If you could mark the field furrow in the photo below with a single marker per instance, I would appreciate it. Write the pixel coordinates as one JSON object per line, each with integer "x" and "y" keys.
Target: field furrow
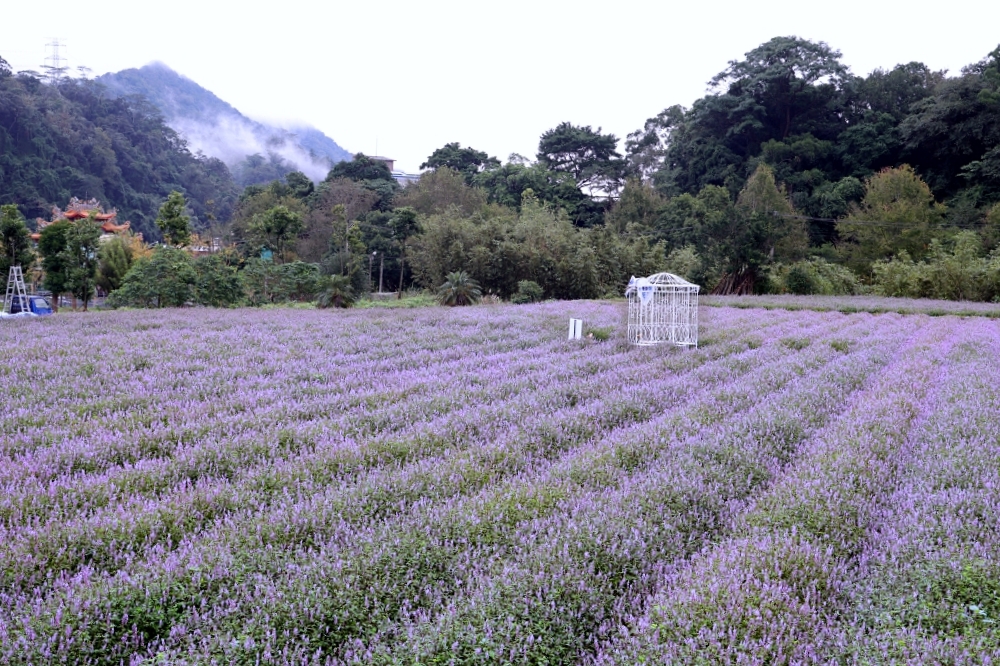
{"x": 467, "y": 486}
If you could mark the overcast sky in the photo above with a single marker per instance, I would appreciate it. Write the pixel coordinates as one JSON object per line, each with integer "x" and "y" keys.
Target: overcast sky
{"x": 409, "y": 77}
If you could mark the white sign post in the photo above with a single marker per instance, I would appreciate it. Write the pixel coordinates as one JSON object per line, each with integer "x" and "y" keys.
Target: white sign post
{"x": 575, "y": 329}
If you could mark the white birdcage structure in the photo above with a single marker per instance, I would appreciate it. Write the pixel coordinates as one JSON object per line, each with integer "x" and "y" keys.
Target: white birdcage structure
{"x": 662, "y": 309}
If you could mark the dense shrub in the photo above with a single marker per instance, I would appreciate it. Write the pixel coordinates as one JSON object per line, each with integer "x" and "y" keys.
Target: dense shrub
{"x": 814, "y": 276}
{"x": 266, "y": 282}
{"x": 165, "y": 279}
{"x": 218, "y": 284}
{"x": 955, "y": 273}
{"x": 528, "y": 291}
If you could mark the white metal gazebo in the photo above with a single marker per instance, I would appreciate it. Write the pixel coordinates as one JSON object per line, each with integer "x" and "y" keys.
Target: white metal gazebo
{"x": 662, "y": 308}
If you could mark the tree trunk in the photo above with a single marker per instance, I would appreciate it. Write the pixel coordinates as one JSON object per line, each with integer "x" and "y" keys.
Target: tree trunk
{"x": 402, "y": 271}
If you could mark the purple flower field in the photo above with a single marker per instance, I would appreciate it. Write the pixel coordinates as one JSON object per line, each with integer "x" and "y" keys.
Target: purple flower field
{"x": 466, "y": 486}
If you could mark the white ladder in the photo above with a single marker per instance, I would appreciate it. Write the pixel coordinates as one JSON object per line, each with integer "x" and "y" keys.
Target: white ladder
{"x": 15, "y": 290}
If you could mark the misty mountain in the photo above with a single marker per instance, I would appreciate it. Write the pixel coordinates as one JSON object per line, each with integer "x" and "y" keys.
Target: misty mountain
{"x": 214, "y": 127}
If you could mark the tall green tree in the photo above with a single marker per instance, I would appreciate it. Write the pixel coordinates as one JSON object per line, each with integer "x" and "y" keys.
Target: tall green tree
{"x": 15, "y": 241}
{"x": 466, "y": 161}
{"x": 788, "y": 91}
{"x": 784, "y": 234}
{"x": 114, "y": 261}
{"x": 783, "y": 87}
{"x": 898, "y": 213}
{"x": 953, "y": 138}
{"x": 300, "y": 184}
{"x": 373, "y": 175}
{"x": 79, "y": 257}
{"x": 277, "y": 229}
{"x": 591, "y": 158}
{"x": 51, "y": 245}
{"x": 437, "y": 190}
{"x": 172, "y": 222}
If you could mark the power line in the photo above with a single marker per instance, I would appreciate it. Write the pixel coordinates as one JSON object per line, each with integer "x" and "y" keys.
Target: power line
{"x": 876, "y": 223}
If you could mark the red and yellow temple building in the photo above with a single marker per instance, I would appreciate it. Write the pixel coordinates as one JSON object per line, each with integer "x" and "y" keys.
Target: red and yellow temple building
{"x": 80, "y": 210}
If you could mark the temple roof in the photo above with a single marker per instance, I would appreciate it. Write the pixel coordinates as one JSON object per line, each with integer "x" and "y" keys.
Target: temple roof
{"x": 79, "y": 209}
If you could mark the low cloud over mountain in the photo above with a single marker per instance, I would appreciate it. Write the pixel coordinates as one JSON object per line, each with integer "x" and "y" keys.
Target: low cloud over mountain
{"x": 215, "y": 128}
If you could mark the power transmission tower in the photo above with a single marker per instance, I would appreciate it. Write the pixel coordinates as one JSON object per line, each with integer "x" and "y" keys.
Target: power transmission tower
{"x": 54, "y": 67}
{"x": 15, "y": 290}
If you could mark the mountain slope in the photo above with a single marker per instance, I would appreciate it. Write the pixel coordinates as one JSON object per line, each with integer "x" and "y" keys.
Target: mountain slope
{"x": 70, "y": 140}
{"x": 214, "y": 127}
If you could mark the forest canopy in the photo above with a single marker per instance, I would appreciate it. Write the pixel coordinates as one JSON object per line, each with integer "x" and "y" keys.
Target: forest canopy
{"x": 791, "y": 174}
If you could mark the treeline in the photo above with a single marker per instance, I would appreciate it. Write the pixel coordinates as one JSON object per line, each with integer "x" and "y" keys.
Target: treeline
{"x": 792, "y": 175}
{"x": 69, "y": 138}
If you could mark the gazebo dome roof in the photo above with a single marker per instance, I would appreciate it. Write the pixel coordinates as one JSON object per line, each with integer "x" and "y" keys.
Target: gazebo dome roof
{"x": 669, "y": 279}
{"x": 665, "y": 281}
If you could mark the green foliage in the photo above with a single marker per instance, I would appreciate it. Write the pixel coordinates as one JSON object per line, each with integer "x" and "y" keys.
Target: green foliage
{"x": 814, "y": 276}
{"x": 298, "y": 281}
{"x": 327, "y": 208}
{"x": 276, "y": 229}
{"x": 897, "y": 213}
{"x": 600, "y": 333}
{"x": 636, "y": 210}
{"x": 172, "y": 222}
{"x": 300, "y": 184}
{"x": 70, "y": 138}
{"x": 51, "y": 243}
{"x": 335, "y": 292}
{"x": 685, "y": 263}
{"x": 15, "y": 242}
{"x": 253, "y": 204}
{"x": 783, "y": 236}
{"x": 528, "y": 291}
{"x": 590, "y": 157}
{"x": 217, "y": 284}
{"x": 952, "y": 137}
{"x": 80, "y": 260}
{"x": 459, "y": 289}
{"x": 499, "y": 249}
{"x": 373, "y": 175}
{"x": 265, "y": 282}
{"x": 507, "y": 184}
{"x": 991, "y": 228}
{"x": 257, "y": 169}
{"x": 438, "y": 190}
{"x": 951, "y": 271}
{"x": 114, "y": 262}
{"x": 165, "y": 279}
{"x": 466, "y": 161}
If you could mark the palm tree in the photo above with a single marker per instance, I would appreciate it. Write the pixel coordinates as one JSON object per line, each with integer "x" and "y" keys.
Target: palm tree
{"x": 337, "y": 293}
{"x": 459, "y": 289}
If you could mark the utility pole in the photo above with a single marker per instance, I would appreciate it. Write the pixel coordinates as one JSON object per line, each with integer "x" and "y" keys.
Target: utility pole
{"x": 381, "y": 265}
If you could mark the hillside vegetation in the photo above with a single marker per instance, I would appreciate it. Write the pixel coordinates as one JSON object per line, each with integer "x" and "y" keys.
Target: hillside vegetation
{"x": 793, "y": 175}
{"x": 66, "y": 139}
